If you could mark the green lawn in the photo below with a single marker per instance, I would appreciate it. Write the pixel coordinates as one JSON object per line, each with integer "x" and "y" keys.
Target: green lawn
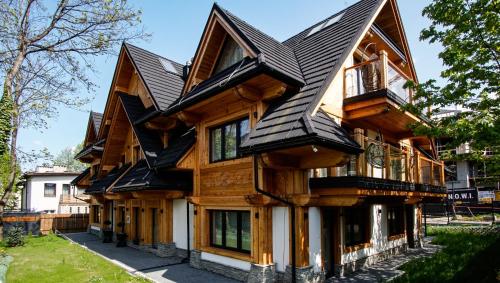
{"x": 467, "y": 257}
{"x": 53, "y": 259}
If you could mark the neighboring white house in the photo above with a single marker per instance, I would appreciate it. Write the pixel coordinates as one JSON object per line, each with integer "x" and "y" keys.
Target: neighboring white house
{"x": 49, "y": 189}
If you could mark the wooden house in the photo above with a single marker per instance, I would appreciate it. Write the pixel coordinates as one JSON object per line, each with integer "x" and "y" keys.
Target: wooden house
{"x": 267, "y": 160}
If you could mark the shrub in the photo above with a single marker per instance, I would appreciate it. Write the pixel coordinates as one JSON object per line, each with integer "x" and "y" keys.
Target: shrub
{"x": 15, "y": 236}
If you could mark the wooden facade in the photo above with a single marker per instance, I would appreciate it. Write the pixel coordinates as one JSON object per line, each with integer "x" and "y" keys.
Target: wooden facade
{"x": 319, "y": 175}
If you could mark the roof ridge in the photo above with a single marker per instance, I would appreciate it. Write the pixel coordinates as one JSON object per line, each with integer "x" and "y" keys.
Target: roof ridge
{"x": 252, "y": 26}
{"x": 155, "y": 54}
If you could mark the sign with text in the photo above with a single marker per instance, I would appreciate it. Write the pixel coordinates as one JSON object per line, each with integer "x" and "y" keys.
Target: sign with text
{"x": 467, "y": 195}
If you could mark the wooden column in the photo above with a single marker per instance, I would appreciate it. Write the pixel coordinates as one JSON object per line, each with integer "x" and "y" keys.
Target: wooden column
{"x": 262, "y": 246}
{"x": 301, "y": 236}
{"x": 384, "y": 83}
{"x": 388, "y": 161}
{"x": 361, "y": 162}
{"x": 417, "y": 167}
{"x": 442, "y": 180}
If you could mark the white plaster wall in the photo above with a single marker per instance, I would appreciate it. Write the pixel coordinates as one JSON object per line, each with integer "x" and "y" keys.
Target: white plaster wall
{"x": 379, "y": 239}
{"x": 281, "y": 234}
{"x": 73, "y": 209}
{"x": 228, "y": 261}
{"x": 179, "y": 224}
{"x": 36, "y": 200}
{"x": 315, "y": 238}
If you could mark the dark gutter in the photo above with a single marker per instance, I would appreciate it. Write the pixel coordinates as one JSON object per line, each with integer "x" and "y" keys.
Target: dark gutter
{"x": 292, "y": 211}
{"x": 147, "y": 117}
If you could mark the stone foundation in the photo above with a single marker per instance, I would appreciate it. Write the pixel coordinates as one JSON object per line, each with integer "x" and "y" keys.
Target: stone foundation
{"x": 262, "y": 273}
{"x": 228, "y": 271}
{"x": 342, "y": 270}
{"x": 303, "y": 274}
{"x": 162, "y": 250}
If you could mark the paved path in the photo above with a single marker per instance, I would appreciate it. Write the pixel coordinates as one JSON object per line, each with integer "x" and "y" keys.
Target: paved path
{"x": 444, "y": 221}
{"x": 169, "y": 269}
{"x": 387, "y": 269}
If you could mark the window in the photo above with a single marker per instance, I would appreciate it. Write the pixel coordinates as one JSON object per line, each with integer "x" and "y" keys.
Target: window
{"x": 230, "y": 54}
{"x": 65, "y": 190}
{"x": 356, "y": 225}
{"x": 395, "y": 220}
{"x": 96, "y": 212}
{"x": 230, "y": 230}
{"x": 49, "y": 190}
{"x": 225, "y": 140}
{"x": 325, "y": 24}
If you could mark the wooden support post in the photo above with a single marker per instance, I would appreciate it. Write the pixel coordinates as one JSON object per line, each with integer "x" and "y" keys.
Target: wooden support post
{"x": 417, "y": 167}
{"x": 431, "y": 181}
{"x": 302, "y": 236}
{"x": 388, "y": 161}
{"x": 361, "y": 162}
{"x": 384, "y": 83}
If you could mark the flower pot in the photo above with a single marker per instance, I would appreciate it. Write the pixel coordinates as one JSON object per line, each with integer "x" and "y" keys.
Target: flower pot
{"x": 121, "y": 240}
{"x": 107, "y": 236}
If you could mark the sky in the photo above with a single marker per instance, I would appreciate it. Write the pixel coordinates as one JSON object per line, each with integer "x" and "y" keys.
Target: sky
{"x": 176, "y": 27}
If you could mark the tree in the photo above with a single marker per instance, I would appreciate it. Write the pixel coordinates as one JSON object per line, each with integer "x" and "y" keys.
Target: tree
{"x": 67, "y": 159}
{"x": 469, "y": 31}
{"x": 47, "y": 52}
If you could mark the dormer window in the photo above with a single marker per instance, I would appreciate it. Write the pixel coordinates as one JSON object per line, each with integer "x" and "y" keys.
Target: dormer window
{"x": 230, "y": 54}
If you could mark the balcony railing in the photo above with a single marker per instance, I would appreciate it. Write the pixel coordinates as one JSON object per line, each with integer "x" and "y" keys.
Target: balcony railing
{"x": 385, "y": 161}
{"x": 73, "y": 199}
{"x": 374, "y": 75}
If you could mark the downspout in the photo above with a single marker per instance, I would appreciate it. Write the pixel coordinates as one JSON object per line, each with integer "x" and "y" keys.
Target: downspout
{"x": 289, "y": 204}
{"x": 188, "y": 232}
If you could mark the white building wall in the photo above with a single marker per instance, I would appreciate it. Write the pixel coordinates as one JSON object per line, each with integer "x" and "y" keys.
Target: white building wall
{"x": 281, "y": 234}
{"x": 36, "y": 200}
{"x": 180, "y": 224}
{"x": 378, "y": 239}
{"x": 315, "y": 238}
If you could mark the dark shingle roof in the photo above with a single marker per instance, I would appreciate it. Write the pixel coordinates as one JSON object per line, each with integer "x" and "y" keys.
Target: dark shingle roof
{"x": 78, "y": 178}
{"x": 98, "y": 146}
{"x": 101, "y": 185}
{"x": 176, "y": 148}
{"x": 141, "y": 177}
{"x": 320, "y": 56}
{"x": 149, "y": 140}
{"x": 277, "y": 55}
{"x": 164, "y": 86}
{"x": 96, "y": 119}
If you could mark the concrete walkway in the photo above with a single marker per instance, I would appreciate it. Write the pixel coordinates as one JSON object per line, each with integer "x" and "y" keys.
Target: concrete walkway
{"x": 388, "y": 269}
{"x": 170, "y": 269}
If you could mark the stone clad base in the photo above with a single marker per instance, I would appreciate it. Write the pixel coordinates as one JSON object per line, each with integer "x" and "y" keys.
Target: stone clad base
{"x": 162, "y": 250}
{"x": 303, "y": 274}
{"x": 342, "y": 270}
{"x": 257, "y": 273}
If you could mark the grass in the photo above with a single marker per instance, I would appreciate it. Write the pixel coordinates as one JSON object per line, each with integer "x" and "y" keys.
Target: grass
{"x": 467, "y": 256}
{"x": 53, "y": 259}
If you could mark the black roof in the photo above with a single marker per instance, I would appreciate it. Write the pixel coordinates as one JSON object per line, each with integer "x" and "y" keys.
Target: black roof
{"x": 320, "y": 56}
{"x": 149, "y": 140}
{"x": 97, "y": 146}
{"x": 78, "y": 178}
{"x": 101, "y": 185}
{"x": 176, "y": 148}
{"x": 165, "y": 86}
{"x": 96, "y": 119}
{"x": 141, "y": 177}
{"x": 320, "y": 129}
{"x": 274, "y": 53}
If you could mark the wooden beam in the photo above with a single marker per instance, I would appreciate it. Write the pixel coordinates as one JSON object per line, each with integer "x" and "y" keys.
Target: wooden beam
{"x": 247, "y": 93}
{"x": 163, "y": 126}
{"x": 274, "y": 92}
{"x": 188, "y": 117}
{"x": 280, "y": 161}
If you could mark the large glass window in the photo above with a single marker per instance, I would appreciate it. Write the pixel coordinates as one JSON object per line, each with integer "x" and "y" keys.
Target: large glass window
{"x": 230, "y": 230}
{"x": 49, "y": 190}
{"x": 395, "y": 220}
{"x": 65, "y": 190}
{"x": 225, "y": 140}
{"x": 356, "y": 225}
{"x": 230, "y": 54}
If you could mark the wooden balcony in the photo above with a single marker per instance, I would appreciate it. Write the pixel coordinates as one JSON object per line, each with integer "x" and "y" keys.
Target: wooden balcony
{"x": 383, "y": 170}
{"x": 69, "y": 199}
{"x": 373, "y": 95}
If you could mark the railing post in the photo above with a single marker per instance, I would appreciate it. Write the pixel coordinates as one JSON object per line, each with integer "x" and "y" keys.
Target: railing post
{"x": 384, "y": 66}
{"x": 360, "y": 139}
{"x": 442, "y": 174}
{"x": 431, "y": 181}
{"x": 388, "y": 161}
{"x": 417, "y": 167}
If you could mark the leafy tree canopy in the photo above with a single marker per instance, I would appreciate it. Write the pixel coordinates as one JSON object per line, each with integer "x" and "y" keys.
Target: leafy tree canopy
{"x": 67, "y": 159}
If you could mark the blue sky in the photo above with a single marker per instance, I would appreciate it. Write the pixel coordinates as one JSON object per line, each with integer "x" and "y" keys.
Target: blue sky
{"x": 176, "y": 27}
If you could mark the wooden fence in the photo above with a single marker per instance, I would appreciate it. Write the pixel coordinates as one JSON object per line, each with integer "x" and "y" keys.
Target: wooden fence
{"x": 63, "y": 223}
{"x": 44, "y": 223}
